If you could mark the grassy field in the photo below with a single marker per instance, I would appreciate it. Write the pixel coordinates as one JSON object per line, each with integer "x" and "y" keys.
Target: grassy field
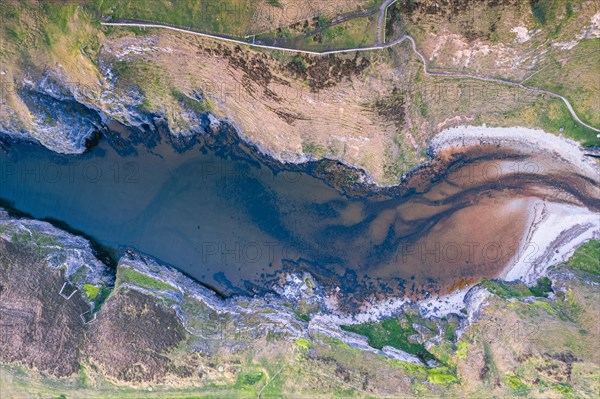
{"x": 231, "y": 17}
{"x": 391, "y": 332}
{"x": 133, "y": 277}
{"x": 508, "y": 290}
{"x": 321, "y": 35}
{"x": 239, "y": 18}
{"x": 587, "y": 258}
{"x": 551, "y": 115}
{"x": 574, "y": 75}
{"x": 227, "y": 17}
{"x": 17, "y": 382}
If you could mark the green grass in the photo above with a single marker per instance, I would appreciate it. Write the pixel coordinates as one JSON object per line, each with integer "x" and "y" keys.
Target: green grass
{"x": 317, "y": 150}
{"x": 539, "y": 8}
{"x": 586, "y": 258}
{"x": 60, "y": 14}
{"x": 391, "y": 332}
{"x": 198, "y": 106}
{"x": 518, "y": 387}
{"x": 229, "y": 17}
{"x": 552, "y": 116}
{"x": 304, "y": 344}
{"x": 101, "y": 298}
{"x": 41, "y": 239}
{"x": 490, "y": 370}
{"x": 507, "y": 290}
{"x": 462, "y": 349}
{"x": 574, "y": 76}
{"x": 343, "y": 354}
{"x": 91, "y": 291}
{"x": 564, "y": 388}
{"x": 42, "y": 243}
{"x": 249, "y": 379}
{"x": 450, "y": 332}
{"x": 542, "y": 288}
{"x": 61, "y": 30}
{"x": 545, "y": 306}
{"x": 560, "y": 120}
{"x": 80, "y": 275}
{"x": 568, "y": 9}
{"x": 303, "y": 313}
{"x": 357, "y": 32}
{"x": 299, "y": 62}
{"x": 441, "y": 376}
{"x": 21, "y": 383}
{"x": 16, "y": 24}
{"x": 275, "y": 3}
{"x": 570, "y": 307}
{"x": 149, "y": 78}
{"x": 126, "y": 275}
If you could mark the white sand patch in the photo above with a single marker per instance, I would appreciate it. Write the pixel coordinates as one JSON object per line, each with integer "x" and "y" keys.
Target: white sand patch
{"x": 522, "y": 34}
{"x": 444, "y": 305}
{"x": 593, "y": 31}
{"x": 372, "y": 313}
{"x": 520, "y": 138}
{"x": 557, "y": 230}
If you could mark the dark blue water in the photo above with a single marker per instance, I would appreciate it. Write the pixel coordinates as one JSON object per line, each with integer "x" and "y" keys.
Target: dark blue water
{"x": 236, "y": 224}
{"x": 224, "y": 221}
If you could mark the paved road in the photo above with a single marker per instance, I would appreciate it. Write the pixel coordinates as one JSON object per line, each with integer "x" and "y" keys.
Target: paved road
{"x": 140, "y": 24}
{"x": 377, "y": 47}
{"x": 381, "y": 21}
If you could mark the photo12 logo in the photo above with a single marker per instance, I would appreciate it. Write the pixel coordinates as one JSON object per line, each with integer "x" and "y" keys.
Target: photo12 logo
{"x": 244, "y": 253}
{"x": 467, "y": 251}
{"x": 496, "y": 332}
{"x": 91, "y": 172}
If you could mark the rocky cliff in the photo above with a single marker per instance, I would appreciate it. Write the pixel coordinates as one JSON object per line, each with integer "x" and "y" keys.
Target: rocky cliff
{"x": 374, "y": 110}
{"x": 66, "y": 314}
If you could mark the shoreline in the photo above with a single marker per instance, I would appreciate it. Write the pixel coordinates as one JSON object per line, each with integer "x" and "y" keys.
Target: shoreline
{"x": 555, "y": 233}
{"x": 554, "y": 230}
{"x": 523, "y": 140}
{"x": 550, "y": 226}
{"x": 467, "y": 303}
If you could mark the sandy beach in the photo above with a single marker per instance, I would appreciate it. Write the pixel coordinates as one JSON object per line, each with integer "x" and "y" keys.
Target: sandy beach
{"x": 519, "y": 138}
{"x": 553, "y": 231}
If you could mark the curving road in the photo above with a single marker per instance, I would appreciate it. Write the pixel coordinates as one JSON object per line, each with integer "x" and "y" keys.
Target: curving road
{"x": 377, "y": 47}
{"x": 381, "y": 21}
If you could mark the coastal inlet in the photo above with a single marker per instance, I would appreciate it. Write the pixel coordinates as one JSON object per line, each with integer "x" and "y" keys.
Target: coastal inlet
{"x": 226, "y": 216}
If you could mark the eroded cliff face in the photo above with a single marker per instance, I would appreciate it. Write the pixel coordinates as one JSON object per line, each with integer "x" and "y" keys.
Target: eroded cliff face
{"x": 111, "y": 324}
{"x": 153, "y": 326}
{"x": 374, "y": 110}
